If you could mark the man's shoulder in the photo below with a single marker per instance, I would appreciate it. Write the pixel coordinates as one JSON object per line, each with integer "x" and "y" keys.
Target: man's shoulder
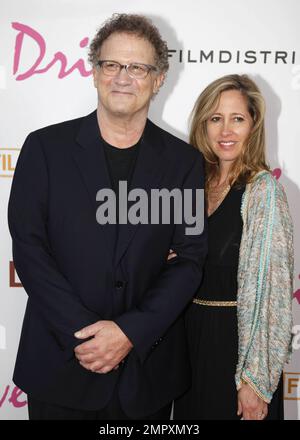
{"x": 59, "y": 130}
{"x": 174, "y": 145}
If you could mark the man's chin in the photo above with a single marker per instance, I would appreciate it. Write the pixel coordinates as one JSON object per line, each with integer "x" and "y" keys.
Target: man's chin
{"x": 121, "y": 110}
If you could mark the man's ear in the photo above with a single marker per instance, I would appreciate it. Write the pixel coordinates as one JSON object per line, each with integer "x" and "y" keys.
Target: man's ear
{"x": 95, "y": 76}
{"x": 158, "y": 82}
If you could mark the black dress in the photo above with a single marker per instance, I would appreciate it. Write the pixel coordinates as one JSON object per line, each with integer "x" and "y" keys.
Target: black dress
{"x": 212, "y": 330}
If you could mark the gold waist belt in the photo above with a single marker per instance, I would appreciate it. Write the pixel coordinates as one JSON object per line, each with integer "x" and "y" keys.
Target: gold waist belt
{"x": 203, "y": 302}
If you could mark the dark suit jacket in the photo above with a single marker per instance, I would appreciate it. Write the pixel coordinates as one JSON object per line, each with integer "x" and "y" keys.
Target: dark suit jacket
{"x": 75, "y": 272}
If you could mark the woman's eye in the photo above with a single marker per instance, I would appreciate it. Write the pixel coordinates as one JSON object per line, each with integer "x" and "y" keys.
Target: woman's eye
{"x": 215, "y": 118}
{"x": 238, "y": 119}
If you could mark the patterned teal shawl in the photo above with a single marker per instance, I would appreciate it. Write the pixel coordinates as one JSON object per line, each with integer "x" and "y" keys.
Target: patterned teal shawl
{"x": 265, "y": 286}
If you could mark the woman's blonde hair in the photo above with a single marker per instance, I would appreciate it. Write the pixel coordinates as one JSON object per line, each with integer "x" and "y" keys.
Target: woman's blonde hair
{"x": 252, "y": 160}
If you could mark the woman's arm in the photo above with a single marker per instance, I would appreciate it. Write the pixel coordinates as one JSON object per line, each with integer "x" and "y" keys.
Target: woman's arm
{"x": 265, "y": 286}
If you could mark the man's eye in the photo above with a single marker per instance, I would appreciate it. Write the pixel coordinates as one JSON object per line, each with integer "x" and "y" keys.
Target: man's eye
{"x": 137, "y": 68}
{"x": 111, "y": 65}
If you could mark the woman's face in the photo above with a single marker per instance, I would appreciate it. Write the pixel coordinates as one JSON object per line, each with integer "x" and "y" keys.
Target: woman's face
{"x": 229, "y": 126}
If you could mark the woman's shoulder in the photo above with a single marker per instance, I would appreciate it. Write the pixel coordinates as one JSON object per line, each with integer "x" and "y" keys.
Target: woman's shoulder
{"x": 264, "y": 192}
{"x": 265, "y": 195}
{"x": 265, "y": 183}
{"x": 262, "y": 179}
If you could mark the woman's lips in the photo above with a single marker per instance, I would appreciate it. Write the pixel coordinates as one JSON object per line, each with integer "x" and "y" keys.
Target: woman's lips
{"x": 227, "y": 144}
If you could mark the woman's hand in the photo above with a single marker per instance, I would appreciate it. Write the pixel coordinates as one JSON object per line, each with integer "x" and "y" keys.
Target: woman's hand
{"x": 172, "y": 254}
{"x": 250, "y": 406}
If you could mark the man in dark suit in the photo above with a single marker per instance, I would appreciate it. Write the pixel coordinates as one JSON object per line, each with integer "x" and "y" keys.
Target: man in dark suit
{"x": 103, "y": 333}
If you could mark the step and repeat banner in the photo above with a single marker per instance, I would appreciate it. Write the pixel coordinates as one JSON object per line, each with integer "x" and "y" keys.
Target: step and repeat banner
{"x": 45, "y": 78}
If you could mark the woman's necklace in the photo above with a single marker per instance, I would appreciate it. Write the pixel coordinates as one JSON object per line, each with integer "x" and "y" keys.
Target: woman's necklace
{"x": 216, "y": 195}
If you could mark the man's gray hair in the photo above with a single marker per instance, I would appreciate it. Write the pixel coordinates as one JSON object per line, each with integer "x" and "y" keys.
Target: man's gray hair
{"x": 138, "y": 25}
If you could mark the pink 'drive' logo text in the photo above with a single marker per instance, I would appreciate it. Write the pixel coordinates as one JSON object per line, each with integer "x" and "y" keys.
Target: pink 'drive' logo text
{"x": 24, "y": 30}
{"x": 12, "y": 396}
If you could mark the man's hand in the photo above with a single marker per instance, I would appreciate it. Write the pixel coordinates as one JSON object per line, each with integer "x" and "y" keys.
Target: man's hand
{"x": 250, "y": 406}
{"x": 108, "y": 347}
{"x": 172, "y": 254}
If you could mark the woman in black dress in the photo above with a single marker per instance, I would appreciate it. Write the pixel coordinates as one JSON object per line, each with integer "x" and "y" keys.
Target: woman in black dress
{"x": 229, "y": 379}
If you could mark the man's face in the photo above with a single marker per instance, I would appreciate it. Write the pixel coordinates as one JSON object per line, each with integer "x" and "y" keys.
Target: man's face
{"x": 122, "y": 95}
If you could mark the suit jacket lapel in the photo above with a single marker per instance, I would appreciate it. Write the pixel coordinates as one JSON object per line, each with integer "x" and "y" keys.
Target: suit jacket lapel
{"x": 147, "y": 173}
{"x": 91, "y": 161}
{"x": 90, "y": 158}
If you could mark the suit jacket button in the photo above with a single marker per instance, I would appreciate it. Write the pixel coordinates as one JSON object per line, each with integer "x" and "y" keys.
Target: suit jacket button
{"x": 119, "y": 284}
